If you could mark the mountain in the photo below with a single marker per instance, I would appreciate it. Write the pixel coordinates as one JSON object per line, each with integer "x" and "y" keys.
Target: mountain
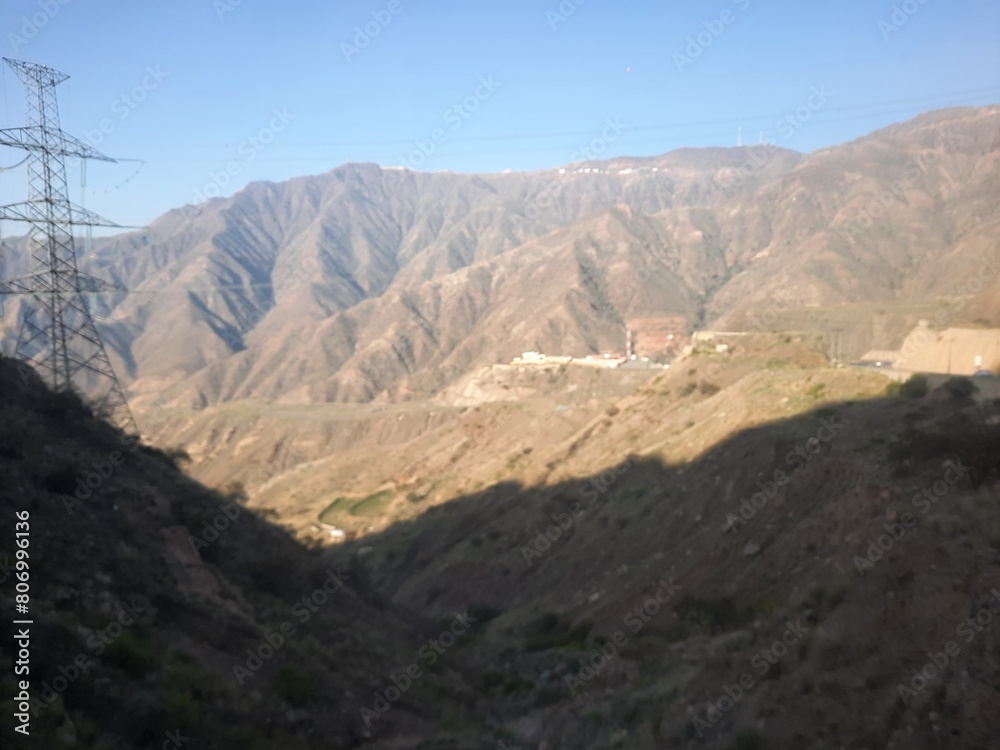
{"x": 369, "y": 283}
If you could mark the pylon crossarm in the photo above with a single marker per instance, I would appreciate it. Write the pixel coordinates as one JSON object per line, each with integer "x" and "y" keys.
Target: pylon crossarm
{"x": 33, "y": 138}
{"x": 29, "y": 71}
{"x": 76, "y": 215}
{"x": 40, "y": 283}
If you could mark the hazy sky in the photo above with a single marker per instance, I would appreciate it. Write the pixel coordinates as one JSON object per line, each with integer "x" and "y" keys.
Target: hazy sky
{"x": 212, "y": 94}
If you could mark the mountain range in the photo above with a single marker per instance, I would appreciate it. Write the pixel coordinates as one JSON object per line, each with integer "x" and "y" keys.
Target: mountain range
{"x": 370, "y": 283}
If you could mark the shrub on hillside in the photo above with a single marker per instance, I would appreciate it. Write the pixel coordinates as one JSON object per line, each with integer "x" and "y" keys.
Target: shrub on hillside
{"x": 959, "y": 388}
{"x": 708, "y": 388}
{"x": 748, "y": 739}
{"x": 297, "y": 686}
{"x": 712, "y": 615}
{"x": 549, "y": 631}
{"x": 64, "y": 405}
{"x": 915, "y": 387}
{"x": 61, "y": 479}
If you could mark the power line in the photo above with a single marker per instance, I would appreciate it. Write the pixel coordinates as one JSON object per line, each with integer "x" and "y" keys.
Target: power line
{"x": 967, "y": 95}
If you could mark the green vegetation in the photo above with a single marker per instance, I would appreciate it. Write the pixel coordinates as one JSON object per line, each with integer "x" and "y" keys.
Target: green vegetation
{"x": 548, "y": 631}
{"x": 373, "y": 505}
{"x": 133, "y": 653}
{"x": 483, "y": 613}
{"x": 295, "y": 685}
{"x": 960, "y": 388}
{"x": 713, "y": 615}
{"x": 331, "y": 512}
{"x": 178, "y": 708}
{"x": 748, "y": 739}
{"x": 917, "y": 386}
{"x": 816, "y": 391}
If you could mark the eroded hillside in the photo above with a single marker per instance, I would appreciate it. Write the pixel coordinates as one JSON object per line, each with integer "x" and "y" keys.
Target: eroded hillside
{"x": 369, "y": 284}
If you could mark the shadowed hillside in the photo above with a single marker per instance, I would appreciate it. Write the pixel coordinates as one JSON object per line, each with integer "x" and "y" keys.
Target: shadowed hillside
{"x": 163, "y": 609}
{"x": 798, "y": 570}
{"x": 779, "y": 590}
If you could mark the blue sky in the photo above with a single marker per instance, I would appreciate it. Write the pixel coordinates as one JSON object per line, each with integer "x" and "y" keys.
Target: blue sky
{"x": 483, "y": 86}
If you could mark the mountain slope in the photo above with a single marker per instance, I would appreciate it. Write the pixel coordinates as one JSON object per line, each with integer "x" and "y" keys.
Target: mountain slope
{"x": 163, "y": 609}
{"x": 672, "y": 582}
{"x": 368, "y": 283}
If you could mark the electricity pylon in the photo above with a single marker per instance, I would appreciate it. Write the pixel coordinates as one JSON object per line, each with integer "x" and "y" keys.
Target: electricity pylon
{"x": 58, "y": 335}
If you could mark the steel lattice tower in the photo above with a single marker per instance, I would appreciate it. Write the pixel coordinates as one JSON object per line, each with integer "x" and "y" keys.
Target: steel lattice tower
{"x": 58, "y": 335}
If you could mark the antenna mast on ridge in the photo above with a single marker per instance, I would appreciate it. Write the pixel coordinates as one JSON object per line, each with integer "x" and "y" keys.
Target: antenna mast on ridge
{"x": 58, "y": 335}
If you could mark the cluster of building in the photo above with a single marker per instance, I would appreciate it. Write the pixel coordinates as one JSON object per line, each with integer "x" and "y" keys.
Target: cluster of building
{"x": 649, "y": 342}
{"x": 597, "y": 170}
